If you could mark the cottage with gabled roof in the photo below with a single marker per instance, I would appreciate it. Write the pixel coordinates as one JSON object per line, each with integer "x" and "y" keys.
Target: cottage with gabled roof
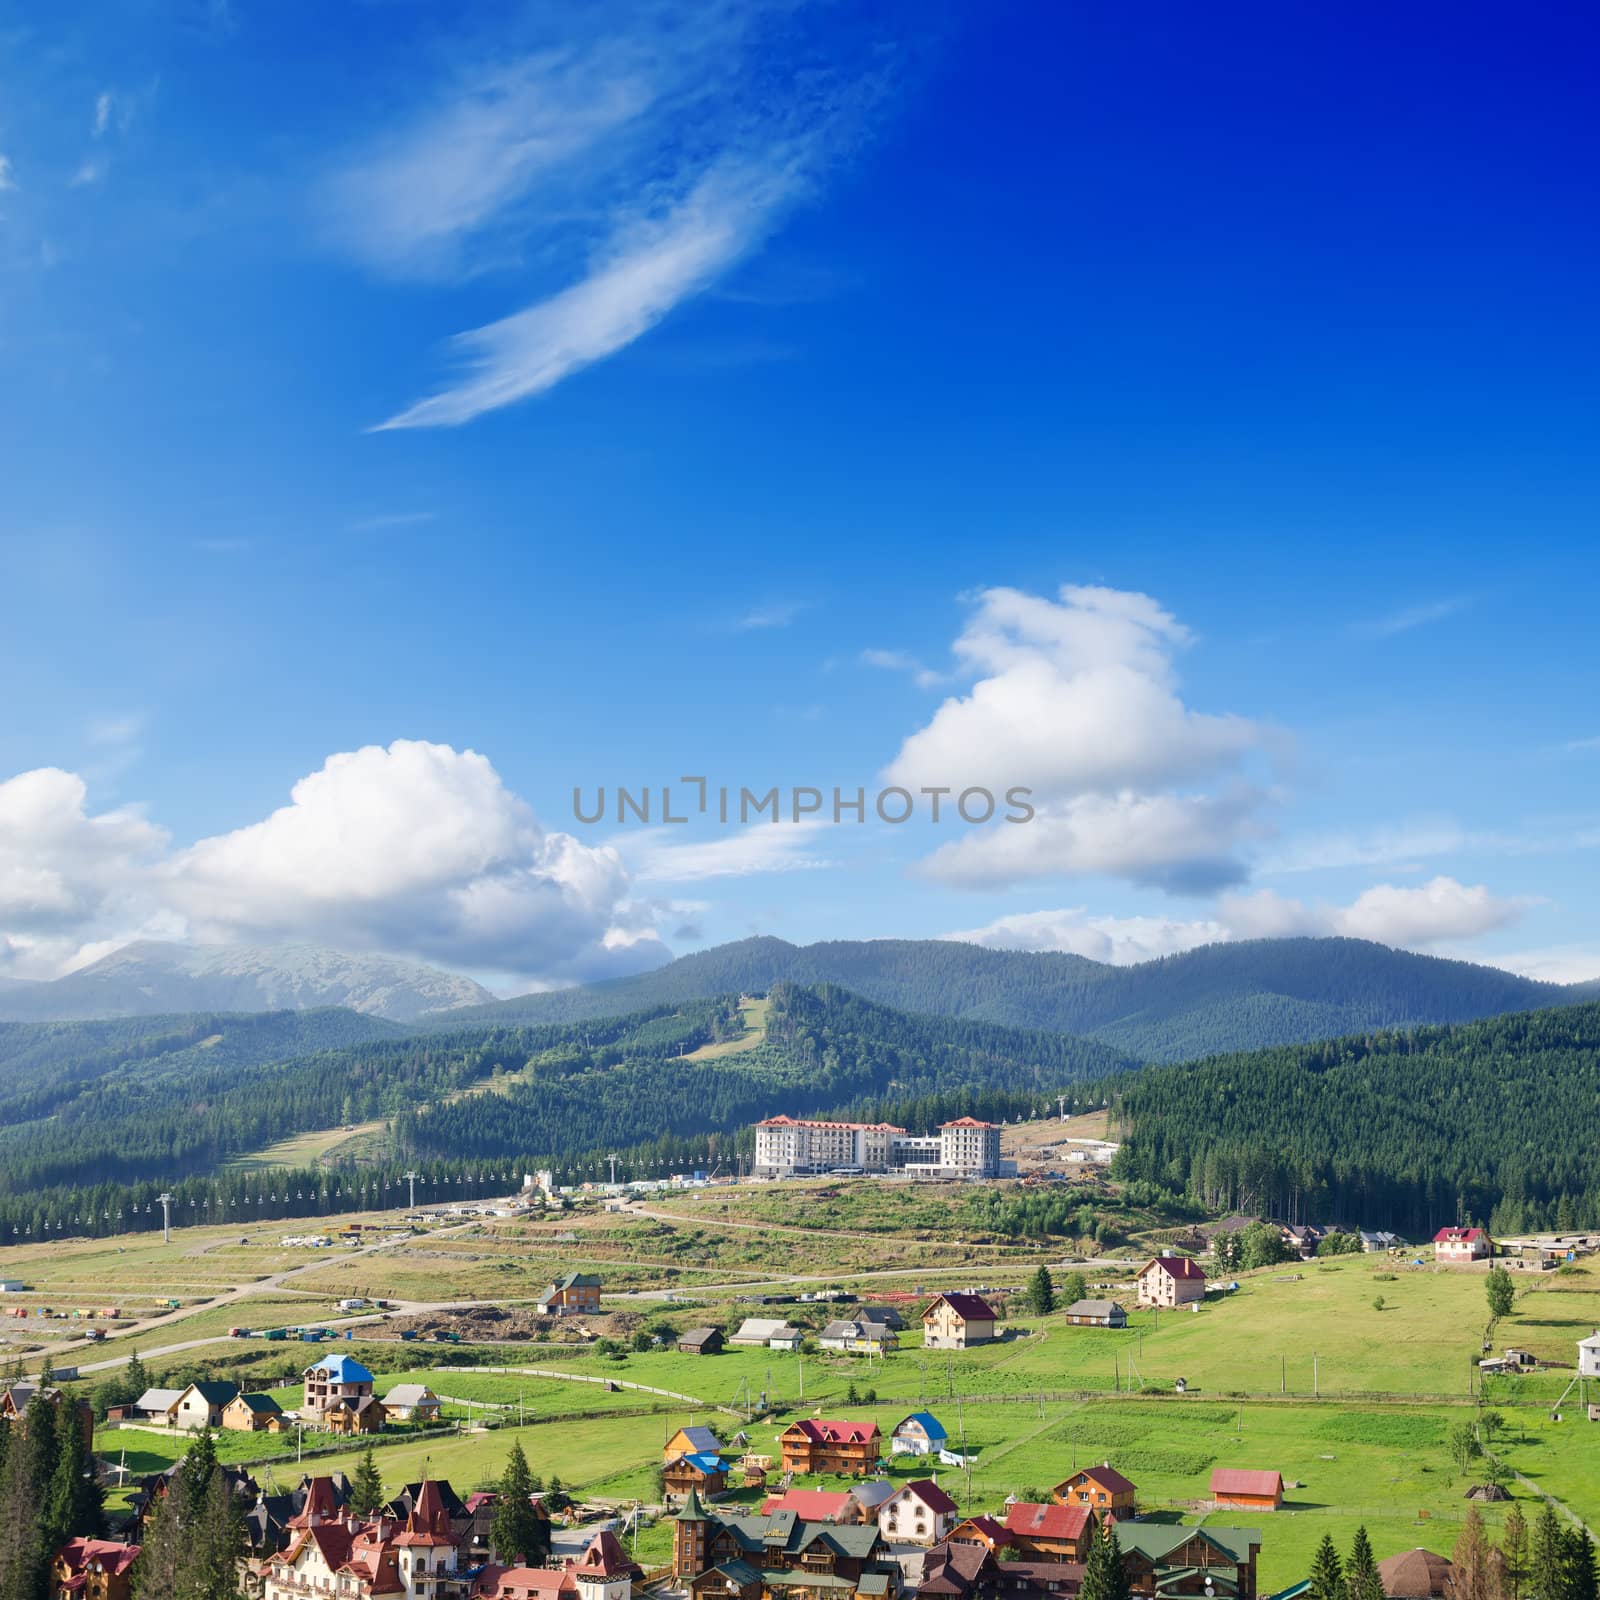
{"x": 252, "y": 1413}
{"x": 201, "y": 1405}
{"x": 701, "y": 1472}
{"x": 705, "y": 1341}
{"x": 1048, "y": 1531}
{"x": 412, "y": 1402}
{"x": 1247, "y": 1490}
{"x": 958, "y": 1321}
{"x": 687, "y": 1440}
{"x": 1101, "y": 1489}
{"x": 1171, "y": 1281}
{"x": 1462, "y": 1244}
{"x": 578, "y": 1293}
{"x": 773, "y": 1332}
{"x": 1167, "y": 1559}
{"x": 858, "y": 1338}
{"x": 1097, "y": 1314}
{"x": 917, "y": 1513}
{"x": 817, "y": 1444}
{"x": 920, "y": 1434}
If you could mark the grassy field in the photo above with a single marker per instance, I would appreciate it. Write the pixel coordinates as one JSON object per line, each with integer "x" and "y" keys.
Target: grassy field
{"x": 307, "y": 1149}
{"x": 754, "y": 1013}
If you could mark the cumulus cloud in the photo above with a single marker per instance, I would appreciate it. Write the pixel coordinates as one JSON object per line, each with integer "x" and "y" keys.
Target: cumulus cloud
{"x": 1562, "y": 963}
{"x": 415, "y": 849}
{"x": 1076, "y": 699}
{"x": 1424, "y": 917}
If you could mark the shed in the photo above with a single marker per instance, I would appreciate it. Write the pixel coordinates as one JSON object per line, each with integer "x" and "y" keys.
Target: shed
{"x": 1097, "y": 1314}
{"x": 701, "y": 1341}
{"x": 1247, "y": 1489}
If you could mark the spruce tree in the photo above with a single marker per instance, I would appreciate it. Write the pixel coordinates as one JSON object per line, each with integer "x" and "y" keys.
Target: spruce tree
{"x": 159, "y": 1572}
{"x": 23, "y": 1557}
{"x": 1041, "y": 1294}
{"x": 73, "y": 1503}
{"x": 1546, "y": 1569}
{"x": 1361, "y": 1580}
{"x": 1327, "y": 1573}
{"x": 366, "y": 1489}
{"x": 214, "y": 1544}
{"x": 138, "y": 1378}
{"x": 1579, "y": 1580}
{"x": 1104, "y": 1577}
{"x": 518, "y": 1531}
{"x": 1514, "y": 1548}
{"x": 1473, "y": 1576}
{"x": 197, "y": 1468}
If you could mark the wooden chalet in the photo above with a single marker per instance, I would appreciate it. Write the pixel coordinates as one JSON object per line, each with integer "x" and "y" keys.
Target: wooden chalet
{"x": 1049, "y": 1531}
{"x": 1167, "y": 1560}
{"x": 816, "y": 1444}
{"x": 1100, "y": 1488}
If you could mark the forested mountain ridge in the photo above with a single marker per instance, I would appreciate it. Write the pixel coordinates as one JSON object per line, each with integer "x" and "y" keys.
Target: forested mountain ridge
{"x": 1495, "y": 1121}
{"x": 826, "y": 1050}
{"x": 1220, "y": 997}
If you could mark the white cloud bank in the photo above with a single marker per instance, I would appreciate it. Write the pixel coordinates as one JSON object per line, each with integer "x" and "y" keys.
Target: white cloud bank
{"x": 1076, "y": 698}
{"x": 1427, "y": 917}
{"x": 415, "y": 849}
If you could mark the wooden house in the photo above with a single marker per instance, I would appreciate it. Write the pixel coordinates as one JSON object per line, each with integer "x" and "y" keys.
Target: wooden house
{"x": 1170, "y": 1560}
{"x": 252, "y": 1413}
{"x": 93, "y": 1569}
{"x": 816, "y": 1444}
{"x": 686, "y": 1441}
{"x": 1171, "y": 1281}
{"x": 578, "y": 1293}
{"x": 1241, "y": 1489}
{"x": 700, "y": 1472}
{"x": 1101, "y": 1489}
{"x": 348, "y": 1417}
{"x": 985, "y": 1531}
{"x": 701, "y": 1341}
{"x": 1049, "y": 1531}
{"x": 1097, "y": 1314}
{"x": 201, "y": 1405}
{"x": 958, "y": 1322}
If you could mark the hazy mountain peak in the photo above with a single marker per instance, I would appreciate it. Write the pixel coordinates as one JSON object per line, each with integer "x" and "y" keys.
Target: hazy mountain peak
{"x": 149, "y": 976}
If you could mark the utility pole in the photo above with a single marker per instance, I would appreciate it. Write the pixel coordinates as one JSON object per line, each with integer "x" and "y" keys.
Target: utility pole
{"x": 166, "y": 1218}
{"x": 1314, "y": 1389}
{"x": 1061, "y": 1106}
{"x": 613, "y": 1160}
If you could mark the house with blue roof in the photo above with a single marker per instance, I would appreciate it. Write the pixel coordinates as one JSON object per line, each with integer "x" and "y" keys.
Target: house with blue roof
{"x": 921, "y": 1434}
{"x": 335, "y": 1383}
{"x": 696, "y": 1472}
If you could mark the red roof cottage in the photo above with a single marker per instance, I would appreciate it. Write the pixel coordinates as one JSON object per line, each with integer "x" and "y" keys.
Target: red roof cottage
{"x": 1462, "y": 1244}
{"x": 1171, "y": 1281}
{"x": 1053, "y": 1532}
{"x": 1100, "y": 1488}
{"x": 815, "y": 1444}
{"x": 1246, "y": 1490}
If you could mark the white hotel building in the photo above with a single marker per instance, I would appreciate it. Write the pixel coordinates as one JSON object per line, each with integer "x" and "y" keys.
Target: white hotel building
{"x": 790, "y": 1146}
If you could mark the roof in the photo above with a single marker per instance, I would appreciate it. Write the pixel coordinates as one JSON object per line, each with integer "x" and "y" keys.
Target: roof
{"x": 1094, "y": 1308}
{"x": 110, "y": 1553}
{"x": 1592, "y": 1342}
{"x": 990, "y": 1527}
{"x": 214, "y": 1394}
{"x": 969, "y": 1307}
{"x": 605, "y": 1558}
{"x": 694, "y": 1336}
{"x": 856, "y": 1330}
{"x": 409, "y": 1394}
{"x": 930, "y": 1424}
{"x": 706, "y": 1460}
{"x": 1417, "y": 1575}
{"x": 1156, "y": 1540}
{"x": 521, "y": 1583}
{"x": 1242, "y": 1480}
{"x": 757, "y": 1330}
{"x": 1178, "y": 1266}
{"x": 966, "y": 1122}
{"x": 824, "y": 1430}
{"x": 930, "y": 1494}
{"x": 1025, "y": 1517}
{"x": 785, "y": 1121}
{"x": 158, "y": 1399}
{"x": 761, "y": 1537}
{"x": 701, "y": 1439}
{"x": 342, "y": 1369}
{"x": 1458, "y": 1236}
{"x": 810, "y": 1505}
{"x": 577, "y": 1280}
{"x": 261, "y": 1404}
{"x": 1106, "y": 1476}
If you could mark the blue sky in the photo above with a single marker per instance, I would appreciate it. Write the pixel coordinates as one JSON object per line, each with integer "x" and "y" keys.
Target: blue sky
{"x": 1187, "y": 415}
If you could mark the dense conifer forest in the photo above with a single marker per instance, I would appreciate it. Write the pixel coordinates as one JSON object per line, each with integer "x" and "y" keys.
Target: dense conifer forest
{"x": 1495, "y": 1122}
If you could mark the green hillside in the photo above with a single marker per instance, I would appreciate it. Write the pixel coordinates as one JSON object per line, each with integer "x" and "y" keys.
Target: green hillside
{"x": 1496, "y": 1121}
{"x": 1222, "y": 997}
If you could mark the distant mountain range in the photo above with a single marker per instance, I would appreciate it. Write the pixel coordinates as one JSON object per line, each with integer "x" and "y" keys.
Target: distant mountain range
{"x": 149, "y": 978}
{"x": 1219, "y": 998}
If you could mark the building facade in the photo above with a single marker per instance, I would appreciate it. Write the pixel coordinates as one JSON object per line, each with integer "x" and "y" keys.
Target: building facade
{"x": 1171, "y": 1281}
{"x": 790, "y": 1146}
{"x": 958, "y": 1322}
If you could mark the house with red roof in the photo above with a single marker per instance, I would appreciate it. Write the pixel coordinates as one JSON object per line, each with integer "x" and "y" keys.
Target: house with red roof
{"x": 93, "y": 1569}
{"x": 811, "y": 1505}
{"x": 1247, "y": 1490}
{"x": 1171, "y": 1281}
{"x": 817, "y": 1444}
{"x": 1100, "y": 1488}
{"x": 1462, "y": 1244}
{"x": 979, "y": 1530}
{"x": 958, "y": 1322}
{"x": 917, "y": 1513}
{"x": 602, "y": 1572}
{"x": 1048, "y": 1531}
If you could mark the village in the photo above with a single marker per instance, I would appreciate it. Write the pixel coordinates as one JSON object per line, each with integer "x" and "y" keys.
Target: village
{"x": 799, "y": 1477}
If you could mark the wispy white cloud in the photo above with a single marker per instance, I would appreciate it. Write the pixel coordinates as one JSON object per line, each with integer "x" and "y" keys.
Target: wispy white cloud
{"x": 903, "y": 661}
{"x": 779, "y": 614}
{"x": 102, "y": 112}
{"x": 1574, "y": 747}
{"x": 1409, "y": 617}
{"x": 656, "y": 856}
{"x": 7, "y": 182}
{"x": 624, "y": 170}
{"x": 88, "y": 172}
{"x": 392, "y": 519}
